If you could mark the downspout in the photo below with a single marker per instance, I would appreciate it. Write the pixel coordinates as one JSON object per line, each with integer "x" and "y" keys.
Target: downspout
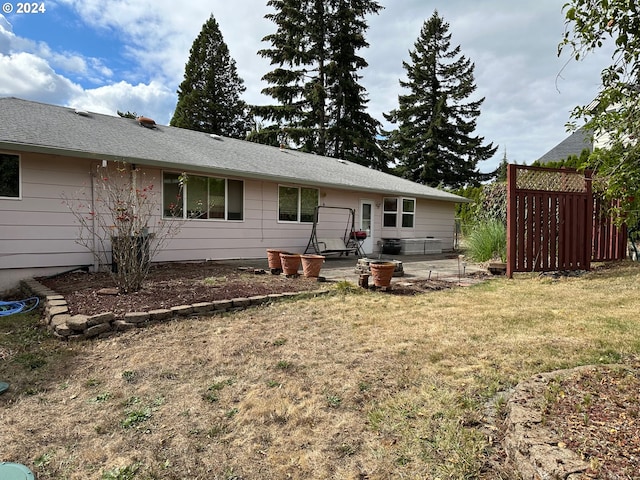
{"x": 94, "y": 242}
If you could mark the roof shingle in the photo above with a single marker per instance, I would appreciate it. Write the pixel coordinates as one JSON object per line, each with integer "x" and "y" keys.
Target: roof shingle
{"x": 32, "y": 126}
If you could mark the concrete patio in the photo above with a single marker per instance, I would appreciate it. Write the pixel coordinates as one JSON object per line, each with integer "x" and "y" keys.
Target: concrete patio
{"x": 448, "y": 266}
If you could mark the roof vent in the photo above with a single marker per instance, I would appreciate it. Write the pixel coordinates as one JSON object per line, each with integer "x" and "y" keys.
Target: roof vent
{"x": 146, "y": 122}
{"x": 82, "y": 113}
{"x": 215, "y": 136}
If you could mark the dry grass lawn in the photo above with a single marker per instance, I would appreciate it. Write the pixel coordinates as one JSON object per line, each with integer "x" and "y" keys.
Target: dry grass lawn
{"x": 350, "y": 386}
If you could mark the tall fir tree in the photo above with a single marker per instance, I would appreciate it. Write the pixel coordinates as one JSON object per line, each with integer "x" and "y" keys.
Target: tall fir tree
{"x": 321, "y": 106}
{"x": 433, "y": 143}
{"x": 352, "y": 133}
{"x": 209, "y": 96}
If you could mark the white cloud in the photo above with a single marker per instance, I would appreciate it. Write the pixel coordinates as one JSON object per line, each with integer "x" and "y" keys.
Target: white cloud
{"x": 153, "y": 100}
{"x": 28, "y": 76}
{"x": 31, "y": 70}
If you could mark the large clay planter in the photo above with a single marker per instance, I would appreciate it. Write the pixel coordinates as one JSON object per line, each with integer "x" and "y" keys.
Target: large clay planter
{"x": 273, "y": 257}
{"x": 381, "y": 273}
{"x": 311, "y": 265}
{"x": 290, "y": 263}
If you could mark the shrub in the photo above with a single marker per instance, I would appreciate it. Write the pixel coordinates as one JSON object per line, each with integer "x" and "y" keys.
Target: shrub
{"x": 488, "y": 240}
{"x": 120, "y": 222}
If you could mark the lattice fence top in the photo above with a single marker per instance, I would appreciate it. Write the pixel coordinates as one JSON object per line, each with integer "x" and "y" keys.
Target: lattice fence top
{"x": 550, "y": 181}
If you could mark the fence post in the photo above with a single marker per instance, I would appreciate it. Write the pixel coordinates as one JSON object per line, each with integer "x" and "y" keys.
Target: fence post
{"x": 511, "y": 219}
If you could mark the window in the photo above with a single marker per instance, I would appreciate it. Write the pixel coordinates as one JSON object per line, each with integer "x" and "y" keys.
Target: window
{"x": 9, "y": 175}
{"x": 407, "y": 212}
{"x": 202, "y": 197}
{"x": 390, "y": 212}
{"x": 297, "y": 204}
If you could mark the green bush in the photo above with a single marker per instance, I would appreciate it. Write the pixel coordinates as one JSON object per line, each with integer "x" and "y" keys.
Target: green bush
{"x": 487, "y": 241}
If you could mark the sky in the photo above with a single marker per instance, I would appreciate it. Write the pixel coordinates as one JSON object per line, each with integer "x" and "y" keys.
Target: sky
{"x": 104, "y": 56}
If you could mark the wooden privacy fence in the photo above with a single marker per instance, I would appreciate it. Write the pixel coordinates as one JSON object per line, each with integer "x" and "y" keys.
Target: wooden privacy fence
{"x": 554, "y": 222}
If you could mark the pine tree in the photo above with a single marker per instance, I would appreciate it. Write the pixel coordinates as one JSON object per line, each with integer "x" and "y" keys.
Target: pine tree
{"x": 289, "y": 48}
{"x": 209, "y": 96}
{"x": 433, "y": 142}
{"x": 352, "y": 131}
{"x": 321, "y": 105}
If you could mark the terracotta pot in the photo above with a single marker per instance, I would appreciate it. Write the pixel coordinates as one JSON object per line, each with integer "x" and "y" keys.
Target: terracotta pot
{"x": 381, "y": 273}
{"x": 311, "y": 265}
{"x": 290, "y": 263}
{"x": 273, "y": 257}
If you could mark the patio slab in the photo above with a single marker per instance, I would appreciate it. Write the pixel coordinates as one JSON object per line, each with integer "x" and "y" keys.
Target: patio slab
{"x": 447, "y": 266}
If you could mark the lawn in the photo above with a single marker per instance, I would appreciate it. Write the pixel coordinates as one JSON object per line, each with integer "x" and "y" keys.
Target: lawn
{"x": 356, "y": 385}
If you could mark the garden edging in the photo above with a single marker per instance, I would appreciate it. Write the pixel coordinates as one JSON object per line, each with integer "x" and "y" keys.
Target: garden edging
{"x": 529, "y": 444}
{"x": 69, "y": 327}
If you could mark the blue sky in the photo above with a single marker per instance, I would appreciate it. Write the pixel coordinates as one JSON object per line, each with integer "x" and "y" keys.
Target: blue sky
{"x": 105, "y": 56}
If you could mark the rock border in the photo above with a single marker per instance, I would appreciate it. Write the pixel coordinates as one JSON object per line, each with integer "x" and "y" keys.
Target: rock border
{"x": 65, "y": 326}
{"x": 531, "y": 446}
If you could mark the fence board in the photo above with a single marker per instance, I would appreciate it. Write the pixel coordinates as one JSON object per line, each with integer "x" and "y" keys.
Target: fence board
{"x": 555, "y": 223}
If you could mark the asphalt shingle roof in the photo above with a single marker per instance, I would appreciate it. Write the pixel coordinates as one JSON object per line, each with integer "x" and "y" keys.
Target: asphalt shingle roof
{"x": 33, "y": 126}
{"x": 574, "y": 144}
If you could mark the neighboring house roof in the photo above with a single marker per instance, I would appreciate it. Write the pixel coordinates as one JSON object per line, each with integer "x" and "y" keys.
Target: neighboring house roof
{"x": 39, "y": 127}
{"x": 574, "y": 144}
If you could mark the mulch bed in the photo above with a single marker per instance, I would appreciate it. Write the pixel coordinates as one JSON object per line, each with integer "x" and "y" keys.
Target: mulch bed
{"x": 170, "y": 285}
{"x": 596, "y": 413}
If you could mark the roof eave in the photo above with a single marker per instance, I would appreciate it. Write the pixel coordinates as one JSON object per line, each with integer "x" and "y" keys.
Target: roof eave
{"x": 24, "y": 147}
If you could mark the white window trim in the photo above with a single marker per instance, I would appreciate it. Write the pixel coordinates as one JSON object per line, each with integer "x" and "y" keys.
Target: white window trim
{"x": 399, "y": 212}
{"x": 403, "y": 213}
{"x": 226, "y": 199}
{"x": 299, "y": 207}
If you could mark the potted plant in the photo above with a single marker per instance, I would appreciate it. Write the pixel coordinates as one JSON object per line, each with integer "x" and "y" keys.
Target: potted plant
{"x": 290, "y": 263}
{"x": 273, "y": 258}
{"x": 311, "y": 265}
{"x": 382, "y": 272}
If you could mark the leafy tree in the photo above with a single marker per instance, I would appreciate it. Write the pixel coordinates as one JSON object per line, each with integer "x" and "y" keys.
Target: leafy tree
{"x": 209, "y": 96}
{"x": 466, "y": 213}
{"x": 321, "y": 105}
{"x": 615, "y": 113}
{"x": 434, "y": 143}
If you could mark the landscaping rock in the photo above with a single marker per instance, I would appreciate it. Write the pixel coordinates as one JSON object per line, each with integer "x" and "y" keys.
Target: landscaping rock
{"x": 97, "y": 330}
{"x": 136, "y": 317}
{"x": 100, "y": 318}
{"x": 182, "y": 310}
{"x": 77, "y": 323}
{"x": 160, "y": 314}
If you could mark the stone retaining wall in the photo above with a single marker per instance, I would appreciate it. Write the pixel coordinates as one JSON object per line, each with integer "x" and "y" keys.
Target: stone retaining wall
{"x": 80, "y": 327}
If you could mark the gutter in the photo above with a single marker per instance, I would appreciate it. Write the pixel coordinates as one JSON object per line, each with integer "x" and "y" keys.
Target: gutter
{"x": 181, "y": 167}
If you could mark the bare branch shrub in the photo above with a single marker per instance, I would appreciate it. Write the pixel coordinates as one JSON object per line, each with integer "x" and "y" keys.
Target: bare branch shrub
{"x": 120, "y": 220}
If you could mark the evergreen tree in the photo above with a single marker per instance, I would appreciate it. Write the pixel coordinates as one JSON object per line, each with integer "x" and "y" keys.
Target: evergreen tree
{"x": 290, "y": 48}
{"x": 127, "y": 114}
{"x": 321, "y": 105}
{"x": 433, "y": 143}
{"x": 209, "y": 96}
{"x": 352, "y": 131}
{"x": 500, "y": 173}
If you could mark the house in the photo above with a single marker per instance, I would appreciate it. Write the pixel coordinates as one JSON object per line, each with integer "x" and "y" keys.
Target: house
{"x": 573, "y": 145}
{"x": 267, "y": 195}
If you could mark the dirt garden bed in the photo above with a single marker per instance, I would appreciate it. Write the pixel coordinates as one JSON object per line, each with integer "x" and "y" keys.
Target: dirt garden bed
{"x": 174, "y": 284}
{"x": 169, "y": 285}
